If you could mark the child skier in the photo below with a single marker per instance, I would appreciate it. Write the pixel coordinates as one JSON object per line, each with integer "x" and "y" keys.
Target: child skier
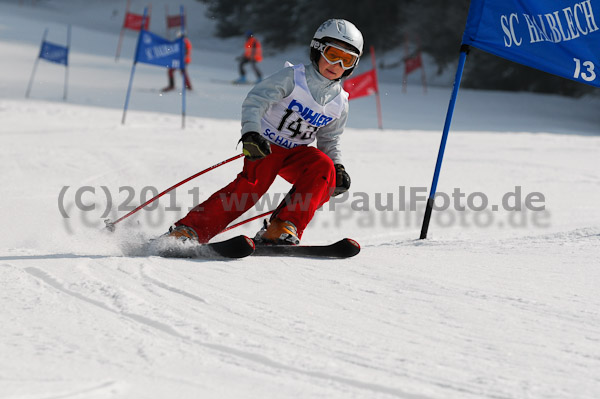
{"x": 280, "y": 116}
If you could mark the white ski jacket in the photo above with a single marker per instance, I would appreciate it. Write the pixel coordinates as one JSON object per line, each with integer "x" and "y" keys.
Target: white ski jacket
{"x": 267, "y": 94}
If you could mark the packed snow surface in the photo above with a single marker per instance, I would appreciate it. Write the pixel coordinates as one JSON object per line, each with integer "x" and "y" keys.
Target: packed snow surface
{"x": 497, "y": 302}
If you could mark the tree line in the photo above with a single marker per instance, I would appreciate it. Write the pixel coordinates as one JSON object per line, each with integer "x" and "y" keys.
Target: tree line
{"x": 436, "y": 25}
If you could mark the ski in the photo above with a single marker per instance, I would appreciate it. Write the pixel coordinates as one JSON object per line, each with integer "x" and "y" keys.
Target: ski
{"x": 345, "y": 248}
{"x": 236, "y": 247}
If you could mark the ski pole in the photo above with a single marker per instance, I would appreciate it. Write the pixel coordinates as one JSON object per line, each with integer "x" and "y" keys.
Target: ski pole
{"x": 233, "y": 226}
{"x": 111, "y": 225}
{"x": 275, "y": 211}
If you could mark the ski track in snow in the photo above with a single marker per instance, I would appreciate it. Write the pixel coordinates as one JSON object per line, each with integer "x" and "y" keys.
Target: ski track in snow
{"x": 226, "y": 350}
{"x": 121, "y": 300}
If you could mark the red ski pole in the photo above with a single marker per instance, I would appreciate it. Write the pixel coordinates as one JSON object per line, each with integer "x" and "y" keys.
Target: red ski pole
{"x": 233, "y": 226}
{"x": 111, "y": 225}
{"x": 284, "y": 202}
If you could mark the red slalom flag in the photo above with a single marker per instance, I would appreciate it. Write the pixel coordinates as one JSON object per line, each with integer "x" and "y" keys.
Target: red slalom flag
{"x": 174, "y": 21}
{"x": 413, "y": 63}
{"x": 134, "y": 21}
{"x": 365, "y": 84}
{"x": 362, "y": 85}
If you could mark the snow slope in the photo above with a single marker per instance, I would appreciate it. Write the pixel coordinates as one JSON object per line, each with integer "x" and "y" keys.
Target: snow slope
{"x": 494, "y": 304}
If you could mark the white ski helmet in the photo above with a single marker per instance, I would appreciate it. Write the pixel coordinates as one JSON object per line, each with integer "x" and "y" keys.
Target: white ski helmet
{"x": 338, "y": 29}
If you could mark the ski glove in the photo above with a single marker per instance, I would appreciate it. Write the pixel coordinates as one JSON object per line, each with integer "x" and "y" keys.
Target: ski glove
{"x": 342, "y": 180}
{"x": 255, "y": 146}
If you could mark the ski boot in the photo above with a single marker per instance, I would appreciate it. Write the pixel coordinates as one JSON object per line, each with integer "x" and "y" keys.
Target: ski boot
{"x": 182, "y": 234}
{"x": 277, "y": 232}
{"x": 240, "y": 81}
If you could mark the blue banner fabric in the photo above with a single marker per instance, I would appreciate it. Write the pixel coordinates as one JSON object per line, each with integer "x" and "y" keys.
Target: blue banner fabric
{"x": 561, "y": 37}
{"x": 155, "y": 50}
{"x": 54, "y": 53}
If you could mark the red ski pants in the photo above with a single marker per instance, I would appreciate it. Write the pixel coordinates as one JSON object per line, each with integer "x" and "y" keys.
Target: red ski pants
{"x": 186, "y": 78}
{"x": 309, "y": 170}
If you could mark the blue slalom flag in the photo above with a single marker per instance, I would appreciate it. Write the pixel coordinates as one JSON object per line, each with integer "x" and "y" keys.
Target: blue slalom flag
{"x": 54, "y": 53}
{"x": 561, "y": 37}
{"x": 155, "y": 50}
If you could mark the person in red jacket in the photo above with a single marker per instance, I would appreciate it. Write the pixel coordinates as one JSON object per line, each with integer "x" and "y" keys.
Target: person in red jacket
{"x": 253, "y": 55}
{"x": 187, "y": 60}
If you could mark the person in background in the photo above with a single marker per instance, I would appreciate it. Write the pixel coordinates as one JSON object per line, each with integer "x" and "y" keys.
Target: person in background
{"x": 187, "y": 60}
{"x": 253, "y": 55}
{"x": 281, "y": 117}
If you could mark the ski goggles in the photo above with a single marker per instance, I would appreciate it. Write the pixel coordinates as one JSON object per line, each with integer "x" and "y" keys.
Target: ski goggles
{"x": 334, "y": 54}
